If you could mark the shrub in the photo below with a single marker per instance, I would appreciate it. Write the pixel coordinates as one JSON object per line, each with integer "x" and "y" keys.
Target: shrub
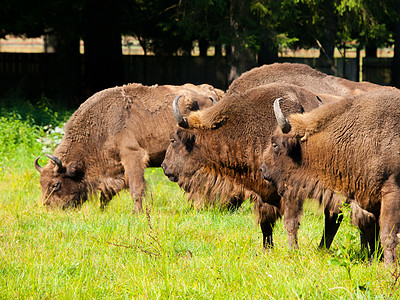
{"x": 28, "y": 130}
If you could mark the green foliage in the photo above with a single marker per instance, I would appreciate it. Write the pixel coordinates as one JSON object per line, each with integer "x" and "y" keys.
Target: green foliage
{"x": 166, "y": 26}
{"x": 286, "y": 42}
{"x": 345, "y": 256}
{"x": 364, "y": 22}
{"x": 28, "y": 18}
{"x": 26, "y": 130}
{"x": 42, "y": 113}
{"x": 204, "y": 20}
{"x": 16, "y": 138}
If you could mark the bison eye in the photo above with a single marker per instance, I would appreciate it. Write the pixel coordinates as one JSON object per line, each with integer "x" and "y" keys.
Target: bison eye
{"x": 172, "y": 141}
{"x": 275, "y": 147}
{"x": 56, "y": 186}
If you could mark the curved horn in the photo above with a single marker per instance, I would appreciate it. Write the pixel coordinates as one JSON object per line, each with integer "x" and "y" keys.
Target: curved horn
{"x": 213, "y": 100}
{"x": 280, "y": 118}
{"x": 37, "y": 166}
{"x": 320, "y": 101}
{"x": 177, "y": 114}
{"x": 56, "y": 160}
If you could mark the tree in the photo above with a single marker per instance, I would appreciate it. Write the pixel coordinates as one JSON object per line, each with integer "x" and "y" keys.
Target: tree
{"x": 251, "y": 31}
{"x": 51, "y": 18}
{"x": 396, "y": 59}
{"x": 204, "y": 21}
{"x": 156, "y": 26}
{"x": 103, "y": 48}
{"x": 244, "y": 28}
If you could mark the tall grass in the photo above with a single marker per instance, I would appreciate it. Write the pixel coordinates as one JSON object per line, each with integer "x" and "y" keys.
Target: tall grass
{"x": 22, "y": 124}
{"x": 170, "y": 251}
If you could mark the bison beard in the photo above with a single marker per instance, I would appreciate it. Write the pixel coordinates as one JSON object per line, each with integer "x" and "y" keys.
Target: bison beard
{"x": 348, "y": 148}
{"x": 112, "y": 138}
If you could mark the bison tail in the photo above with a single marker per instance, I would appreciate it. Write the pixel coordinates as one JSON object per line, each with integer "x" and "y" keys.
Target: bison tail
{"x": 268, "y": 213}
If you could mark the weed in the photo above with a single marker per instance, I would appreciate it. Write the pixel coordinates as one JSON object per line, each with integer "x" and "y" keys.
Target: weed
{"x": 51, "y": 138}
{"x": 394, "y": 285}
{"x": 345, "y": 256}
{"x": 27, "y": 130}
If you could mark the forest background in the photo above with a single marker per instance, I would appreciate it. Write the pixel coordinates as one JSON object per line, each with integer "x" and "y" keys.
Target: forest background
{"x": 230, "y": 36}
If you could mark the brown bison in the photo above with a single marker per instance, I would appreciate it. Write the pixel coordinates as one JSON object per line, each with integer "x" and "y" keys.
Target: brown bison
{"x": 300, "y": 75}
{"x": 112, "y": 138}
{"x": 350, "y": 148}
{"x": 216, "y": 153}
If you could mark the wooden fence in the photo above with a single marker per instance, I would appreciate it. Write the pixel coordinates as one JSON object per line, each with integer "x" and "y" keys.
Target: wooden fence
{"x": 37, "y": 73}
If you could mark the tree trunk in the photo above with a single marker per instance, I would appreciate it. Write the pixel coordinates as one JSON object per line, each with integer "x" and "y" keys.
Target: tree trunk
{"x": 396, "y": 58}
{"x": 203, "y": 46}
{"x": 68, "y": 72}
{"x": 218, "y": 50}
{"x": 268, "y": 53}
{"x": 328, "y": 40}
{"x": 359, "y": 64}
{"x": 103, "y": 48}
{"x": 328, "y": 45}
{"x": 240, "y": 58}
{"x": 370, "y": 51}
{"x": 186, "y": 48}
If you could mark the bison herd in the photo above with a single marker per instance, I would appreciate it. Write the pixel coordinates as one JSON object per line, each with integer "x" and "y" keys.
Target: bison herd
{"x": 280, "y": 134}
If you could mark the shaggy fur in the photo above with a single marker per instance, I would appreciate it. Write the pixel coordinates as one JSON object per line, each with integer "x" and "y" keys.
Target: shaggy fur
{"x": 112, "y": 138}
{"x": 300, "y": 75}
{"x": 349, "y": 148}
{"x": 217, "y": 159}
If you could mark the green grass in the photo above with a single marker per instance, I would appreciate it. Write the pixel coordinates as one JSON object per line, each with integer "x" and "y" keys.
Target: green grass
{"x": 171, "y": 251}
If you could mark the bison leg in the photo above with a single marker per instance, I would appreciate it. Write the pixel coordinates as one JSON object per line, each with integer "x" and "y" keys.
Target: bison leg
{"x": 368, "y": 225}
{"x": 332, "y": 223}
{"x": 390, "y": 218}
{"x": 105, "y": 198}
{"x": 108, "y": 189}
{"x": 134, "y": 163}
{"x": 370, "y": 237}
{"x": 266, "y": 229}
{"x": 267, "y": 216}
{"x": 291, "y": 221}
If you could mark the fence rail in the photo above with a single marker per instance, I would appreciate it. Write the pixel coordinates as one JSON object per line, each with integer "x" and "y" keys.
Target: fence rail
{"x": 37, "y": 73}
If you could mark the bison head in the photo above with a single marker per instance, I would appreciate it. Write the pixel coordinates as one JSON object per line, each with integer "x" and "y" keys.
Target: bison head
{"x": 283, "y": 155}
{"x": 63, "y": 185}
{"x": 178, "y": 153}
{"x": 179, "y": 150}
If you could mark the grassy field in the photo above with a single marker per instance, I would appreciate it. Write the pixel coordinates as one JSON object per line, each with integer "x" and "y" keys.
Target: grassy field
{"x": 171, "y": 251}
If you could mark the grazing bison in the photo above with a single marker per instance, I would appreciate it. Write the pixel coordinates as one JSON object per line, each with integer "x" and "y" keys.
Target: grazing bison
{"x": 350, "y": 148}
{"x": 112, "y": 138}
{"x": 300, "y": 75}
{"x": 216, "y": 153}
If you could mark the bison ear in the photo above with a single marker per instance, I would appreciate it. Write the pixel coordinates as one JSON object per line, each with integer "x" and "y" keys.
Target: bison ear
{"x": 187, "y": 138}
{"x": 293, "y": 149}
{"x": 75, "y": 170}
{"x": 192, "y": 105}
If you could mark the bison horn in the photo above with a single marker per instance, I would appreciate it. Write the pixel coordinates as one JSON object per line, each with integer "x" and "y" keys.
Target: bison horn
{"x": 37, "y": 166}
{"x": 280, "y": 118}
{"x": 177, "y": 114}
{"x": 56, "y": 160}
{"x": 213, "y": 100}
